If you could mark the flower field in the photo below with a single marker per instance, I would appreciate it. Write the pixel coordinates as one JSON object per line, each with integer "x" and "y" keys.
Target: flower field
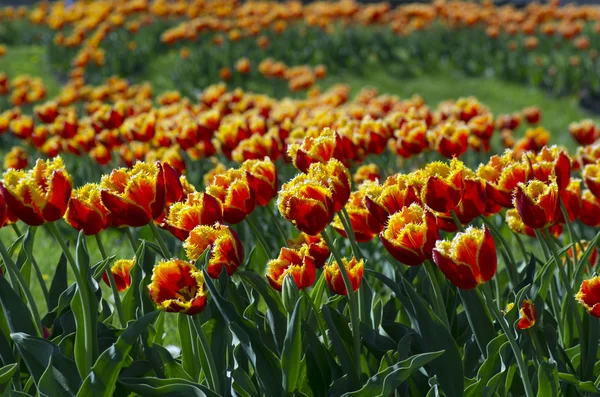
{"x": 217, "y": 198}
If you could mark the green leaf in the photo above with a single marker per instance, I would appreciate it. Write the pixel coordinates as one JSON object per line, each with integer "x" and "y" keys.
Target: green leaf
{"x": 16, "y": 311}
{"x": 584, "y": 387}
{"x": 59, "y": 282}
{"x": 266, "y": 364}
{"x": 6, "y": 374}
{"x": 136, "y": 297}
{"x": 434, "y": 336}
{"x": 478, "y": 317}
{"x": 548, "y": 380}
{"x": 242, "y": 384}
{"x": 53, "y": 373}
{"x": 103, "y": 378}
{"x": 155, "y": 387}
{"x": 385, "y": 382}
{"x": 188, "y": 355}
{"x": 339, "y": 346}
{"x": 292, "y": 350}
{"x": 490, "y": 366}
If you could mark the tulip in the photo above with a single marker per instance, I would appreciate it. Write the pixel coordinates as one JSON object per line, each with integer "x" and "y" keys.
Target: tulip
{"x": 591, "y": 177}
{"x": 410, "y": 235}
{"x": 397, "y": 192}
{"x": 86, "y": 212}
{"x": 257, "y": 147}
{"x": 178, "y": 286}
{"x": 317, "y": 247}
{"x": 296, "y": 263}
{"x": 16, "y": 159}
{"x": 469, "y": 259}
{"x": 307, "y": 203}
{"x": 537, "y": 203}
{"x": 265, "y": 178}
{"x": 449, "y": 138}
{"x": 363, "y": 223}
{"x": 590, "y": 206}
{"x": 584, "y": 132}
{"x": 367, "y": 172}
{"x": 121, "y": 273}
{"x": 589, "y": 296}
{"x": 334, "y": 278}
{"x": 226, "y": 250}
{"x": 197, "y": 209}
{"x": 39, "y": 195}
{"x": 528, "y": 315}
{"x": 236, "y": 191}
{"x": 410, "y": 138}
{"x": 327, "y": 146}
{"x": 552, "y": 162}
{"x": 135, "y": 196}
{"x": 571, "y": 198}
{"x": 502, "y": 175}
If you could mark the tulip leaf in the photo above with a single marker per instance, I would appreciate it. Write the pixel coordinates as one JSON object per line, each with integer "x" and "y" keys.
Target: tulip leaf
{"x": 292, "y": 350}
{"x": 155, "y": 387}
{"x": 490, "y": 366}
{"x": 339, "y": 346}
{"x": 242, "y": 384}
{"x": 385, "y": 382}
{"x": 584, "y": 387}
{"x": 16, "y": 311}
{"x": 276, "y": 311}
{"x": 266, "y": 365}
{"x": 59, "y": 282}
{"x": 136, "y": 297}
{"x": 548, "y": 380}
{"x": 188, "y": 355}
{"x": 6, "y": 374}
{"x": 53, "y": 373}
{"x": 103, "y": 377}
{"x": 478, "y": 317}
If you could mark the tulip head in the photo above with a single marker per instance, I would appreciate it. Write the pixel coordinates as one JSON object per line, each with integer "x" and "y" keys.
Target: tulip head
{"x": 335, "y": 281}
{"x": 121, "y": 273}
{"x": 469, "y": 259}
{"x": 528, "y": 315}
{"x": 197, "y": 209}
{"x": 178, "y": 286}
{"x": 235, "y": 190}
{"x": 265, "y": 179}
{"x": 86, "y": 211}
{"x": 589, "y": 296}
{"x": 537, "y": 203}
{"x": 39, "y": 195}
{"x": 296, "y": 263}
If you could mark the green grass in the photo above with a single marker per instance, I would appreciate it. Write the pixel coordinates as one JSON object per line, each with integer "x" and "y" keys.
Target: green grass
{"x": 500, "y": 96}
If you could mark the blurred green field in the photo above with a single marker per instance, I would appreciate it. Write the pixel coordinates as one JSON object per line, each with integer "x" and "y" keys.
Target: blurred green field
{"x": 500, "y": 96}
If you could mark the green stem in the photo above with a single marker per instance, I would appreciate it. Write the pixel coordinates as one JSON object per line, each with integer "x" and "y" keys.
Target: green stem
{"x": 161, "y": 243}
{"x": 438, "y": 301}
{"x": 510, "y": 263}
{"x": 275, "y": 221}
{"x": 317, "y": 316}
{"x": 350, "y": 233}
{"x": 211, "y": 374}
{"x": 536, "y": 346}
{"x": 546, "y": 238}
{"x": 522, "y": 247}
{"x": 83, "y": 293}
{"x": 352, "y": 298}
{"x": 36, "y": 268}
{"x": 258, "y": 235}
{"x": 113, "y": 284}
{"x": 132, "y": 241}
{"x": 511, "y": 339}
{"x": 574, "y": 240}
{"x": 14, "y": 271}
{"x": 461, "y": 228}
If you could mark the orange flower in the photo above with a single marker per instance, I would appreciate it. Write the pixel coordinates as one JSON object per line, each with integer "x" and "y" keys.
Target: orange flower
{"x": 449, "y": 138}
{"x": 307, "y": 203}
{"x": 584, "y": 132}
{"x": 86, "y": 211}
{"x": 372, "y": 135}
{"x": 367, "y": 172}
{"x": 336, "y": 177}
{"x": 197, "y": 209}
{"x": 243, "y": 65}
{"x": 532, "y": 114}
{"x": 318, "y": 149}
{"x": 334, "y": 278}
{"x": 410, "y": 235}
{"x": 236, "y": 191}
{"x": 591, "y": 177}
{"x": 135, "y": 196}
{"x": 397, "y": 192}
{"x": 552, "y": 162}
{"x": 590, "y": 206}
{"x": 296, "y": 263}
{"x": 469, "y": 259}
{"x": 528, "y": 315}
{"x": 580, "y": 249}
{"x": 534, "y": 140}
{"x": 178, "y": 286}
{"x": 257, "y": 147}
{"x": 589, "y": 296}
{"x": 7, "y": 217}
{"x": 363, "y": 223}
{"x": 482, "y": 126}
{"x": 502, "y": 175}
{"x": 266, "y": 180}
{"x": 411, "y": 138}
{"x": 317, "y": 247}
{"x": 120, "y": 271}
{"x": 39, "y": 195}
{"x": 537, "y": 203}
{"x": 515, "y": 223}
{"x": 226, "y": 250}
{"x": 16, "y": 158}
